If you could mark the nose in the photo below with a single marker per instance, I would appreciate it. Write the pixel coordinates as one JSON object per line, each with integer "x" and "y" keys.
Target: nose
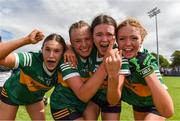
{"x": 104, "y": 38}
{"x": 51, "y": 54}
{"x": 84, "y": 43}
{"x": 128, "y": 41}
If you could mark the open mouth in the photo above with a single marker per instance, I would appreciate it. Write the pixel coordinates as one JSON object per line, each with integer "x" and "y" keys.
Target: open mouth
{"x": 128, "y": 52}
{"x": 104, "y": 47}
{"x": 51, "y": 62}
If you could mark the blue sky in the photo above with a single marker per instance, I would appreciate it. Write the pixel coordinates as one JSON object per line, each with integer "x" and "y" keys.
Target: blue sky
{"x": 6, "y": 35}
{"x": 19, "y": 17}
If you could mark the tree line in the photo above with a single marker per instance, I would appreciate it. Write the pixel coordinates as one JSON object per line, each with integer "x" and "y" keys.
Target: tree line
{"x": 167, "y": 67}
{"x": 175, "y": 60}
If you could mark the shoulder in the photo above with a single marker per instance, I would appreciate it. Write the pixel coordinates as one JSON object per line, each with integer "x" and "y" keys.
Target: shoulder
{"x": 145, "y": 58}
{"x": 27, "y": 55}
{"x": 28, "y": 58}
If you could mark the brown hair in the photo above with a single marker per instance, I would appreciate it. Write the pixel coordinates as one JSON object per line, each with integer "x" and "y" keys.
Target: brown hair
{"x": 100, "y": 19}
{"x": 56, "y": 37}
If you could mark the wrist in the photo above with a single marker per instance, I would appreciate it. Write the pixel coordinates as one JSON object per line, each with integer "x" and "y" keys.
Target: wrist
{"x": 113, "y": 81}
{"x": 146, "y": 71}
{"x": 26, "y": 40}
{"x": 113, "y": 76}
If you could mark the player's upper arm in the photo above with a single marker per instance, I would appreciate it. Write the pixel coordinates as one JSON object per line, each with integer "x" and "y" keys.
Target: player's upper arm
{"x": 9, "y": 61}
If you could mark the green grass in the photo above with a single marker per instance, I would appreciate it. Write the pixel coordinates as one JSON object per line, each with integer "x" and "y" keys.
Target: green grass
{"x": 173, "y": 84}
{"x": 23, "y": 115}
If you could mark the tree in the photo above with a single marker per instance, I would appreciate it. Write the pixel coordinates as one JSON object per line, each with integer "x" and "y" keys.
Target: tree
{"x": 162, "y": 61}
{"x": 175, "y": 58}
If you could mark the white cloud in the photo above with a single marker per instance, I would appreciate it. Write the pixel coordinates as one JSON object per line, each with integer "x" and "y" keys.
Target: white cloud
{"x": 21, "y": 16}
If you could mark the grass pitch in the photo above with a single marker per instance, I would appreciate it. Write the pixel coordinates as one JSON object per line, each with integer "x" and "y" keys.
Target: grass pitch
{"x": 173, "y": 84}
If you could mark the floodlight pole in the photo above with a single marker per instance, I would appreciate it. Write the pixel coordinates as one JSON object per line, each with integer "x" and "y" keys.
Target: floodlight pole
{"x": 151, "y": 14}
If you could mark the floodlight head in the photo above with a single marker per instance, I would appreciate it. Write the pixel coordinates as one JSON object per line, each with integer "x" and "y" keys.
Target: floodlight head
{"x": 153, "y": 12}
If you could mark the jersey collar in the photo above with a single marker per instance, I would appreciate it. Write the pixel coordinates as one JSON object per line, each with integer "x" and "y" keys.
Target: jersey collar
{"x": 47, "y": 71}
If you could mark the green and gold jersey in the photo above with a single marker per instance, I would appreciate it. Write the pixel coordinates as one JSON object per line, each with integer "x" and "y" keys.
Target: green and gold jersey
{"x": 31, "y": 79}
{"x": 96, "y": 61}
{"x": 63, "y": 96}
{"x": 135, "y": 90}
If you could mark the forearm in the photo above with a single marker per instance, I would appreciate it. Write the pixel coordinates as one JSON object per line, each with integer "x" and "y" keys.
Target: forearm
{"x": 161, "y": 97}
{"x": 115, "y": 84}
{"x": 90, "y": 87}
{"x": 7, "y": 47}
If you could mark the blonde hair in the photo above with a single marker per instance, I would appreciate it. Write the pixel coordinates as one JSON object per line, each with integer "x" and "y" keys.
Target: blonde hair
{"x": 135, "y": 23}
{"x": 78, "y": 25}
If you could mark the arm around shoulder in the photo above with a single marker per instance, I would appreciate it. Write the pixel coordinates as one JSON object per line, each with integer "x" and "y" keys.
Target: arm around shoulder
{"x": 86, "y": 90}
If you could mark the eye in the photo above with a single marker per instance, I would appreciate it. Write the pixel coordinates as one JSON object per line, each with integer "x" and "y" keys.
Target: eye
{"x": 110, "y": 36}
{"x": 77, "y": 41}
{"x": 57, "y": 50}
{"x": 88, "y": 39}
{"x": 121, "y": 39}
{"x": 47, "y": 49}
{"x": 134, "y": 39}
{"x": 99, "y": 34}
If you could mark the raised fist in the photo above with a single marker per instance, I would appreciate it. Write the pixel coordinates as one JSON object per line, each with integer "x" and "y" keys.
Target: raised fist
{"x": 35, "y": 36}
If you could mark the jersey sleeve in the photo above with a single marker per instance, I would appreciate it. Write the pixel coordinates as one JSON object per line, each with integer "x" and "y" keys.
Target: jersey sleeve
{"x": 23, "y": 59}
{"x": 125, "y": 67}
{"x": 148, "y": 65}
{"x": 67, "y": 71}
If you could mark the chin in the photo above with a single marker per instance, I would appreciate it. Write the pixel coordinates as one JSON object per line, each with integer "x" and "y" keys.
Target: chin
{"x": 84, "y": 56}
{"x": 51, "y": 68}
{"x": 128, "y": 56}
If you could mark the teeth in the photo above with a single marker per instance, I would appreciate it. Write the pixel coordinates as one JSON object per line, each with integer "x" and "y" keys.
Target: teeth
{"x": 84, "y": 50}
{"x": 104, "y": 44}
{"x": 128, "y": 49}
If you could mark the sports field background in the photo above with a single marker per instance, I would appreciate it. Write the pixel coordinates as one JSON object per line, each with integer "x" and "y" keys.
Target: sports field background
{"x": 173, "y": 84}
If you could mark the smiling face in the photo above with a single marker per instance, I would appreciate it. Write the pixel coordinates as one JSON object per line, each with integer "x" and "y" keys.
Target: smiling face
{"x": 102, "y": 35}
{"x": 52, "y": 52}
{"x": 81, "y": 40}
{"x": 130, "y": 36}
{"x": 129, "y": 40}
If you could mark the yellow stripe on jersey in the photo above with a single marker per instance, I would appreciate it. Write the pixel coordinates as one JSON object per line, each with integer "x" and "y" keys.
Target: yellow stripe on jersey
{"x": 61, "y": 81}
{"x": 3, "y": 92}
{"x": 30, "y": 83}
{"x": 63, "y": 116}
{"x": 139, "y": 89}
{"x": 60, "y": 114}
{"x": 60, "y": 111}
